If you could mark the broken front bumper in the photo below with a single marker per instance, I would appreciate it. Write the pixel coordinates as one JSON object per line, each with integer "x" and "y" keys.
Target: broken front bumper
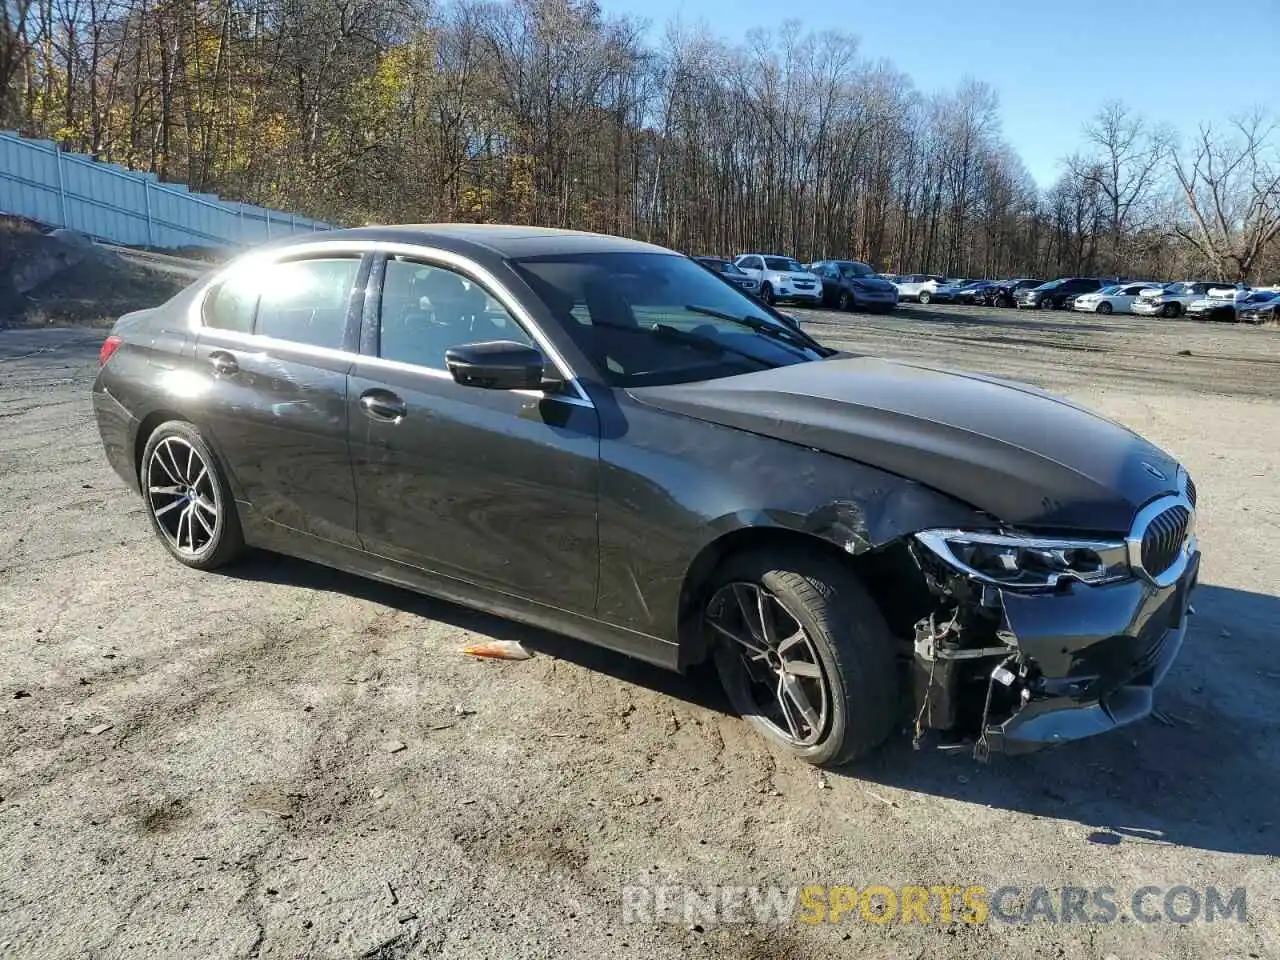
{"x": 1097, "y": 653}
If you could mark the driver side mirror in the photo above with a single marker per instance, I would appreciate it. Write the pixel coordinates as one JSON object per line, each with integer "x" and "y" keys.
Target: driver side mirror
{"x": 496, "y": 365}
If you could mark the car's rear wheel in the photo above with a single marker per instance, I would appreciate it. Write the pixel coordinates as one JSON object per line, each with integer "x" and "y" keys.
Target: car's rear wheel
{"x": 766, "y": 294}
{"x": 1003, "y": 301}
{"x": 1104, "y": 307}
{"x": 188, "y": 498}
{"x": 925, "y": 296}
{"x": 845, "y": 300}
{"x": 1171, "y": 311}
{"x": 804, "y": 655}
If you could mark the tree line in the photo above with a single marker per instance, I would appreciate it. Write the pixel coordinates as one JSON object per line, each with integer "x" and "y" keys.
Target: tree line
{"x": 553, "y": 112}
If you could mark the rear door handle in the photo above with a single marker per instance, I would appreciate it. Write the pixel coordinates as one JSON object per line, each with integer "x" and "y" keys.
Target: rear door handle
{"x": 223, "y": 363}
{"x": 383, "y": 405}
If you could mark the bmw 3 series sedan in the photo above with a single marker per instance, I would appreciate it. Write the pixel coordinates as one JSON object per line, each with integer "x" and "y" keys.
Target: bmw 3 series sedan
{"x": 597, "y": 436}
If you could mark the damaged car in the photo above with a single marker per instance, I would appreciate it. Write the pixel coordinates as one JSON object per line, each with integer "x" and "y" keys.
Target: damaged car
{"x": 596, "y": 436}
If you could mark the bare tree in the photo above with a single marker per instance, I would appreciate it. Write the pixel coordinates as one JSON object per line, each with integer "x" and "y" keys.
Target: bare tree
{"x": 1232, "y": 191}
{"x": 1125, "y": 169}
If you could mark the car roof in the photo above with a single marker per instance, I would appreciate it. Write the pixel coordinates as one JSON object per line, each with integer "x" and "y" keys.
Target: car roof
{"x": 504, "y": 240}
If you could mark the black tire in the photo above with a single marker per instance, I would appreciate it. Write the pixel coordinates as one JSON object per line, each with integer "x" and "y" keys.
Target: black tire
{"x": 766, "y": 294}
{"x": 845, "y": 301}
{"x": 1172, "y": 310}
{"x": 1003, "y": 301}
{"x": 1048, "y": 303}
{"x": 210, "y": 546}
{"x": 846, "y": 634}
{"x": 924, "y": 296}
{"x": 1104, "y": 308}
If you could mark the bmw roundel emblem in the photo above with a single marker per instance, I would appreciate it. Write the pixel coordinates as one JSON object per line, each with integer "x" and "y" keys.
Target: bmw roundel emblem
{"x": 1154, "y": 471}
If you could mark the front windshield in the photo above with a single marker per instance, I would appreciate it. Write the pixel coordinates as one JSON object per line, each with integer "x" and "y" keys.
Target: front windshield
{"x": 783, "y": 264}
{"x": 1109, "y": 290}
{"x": 854, "y": 269}
{"x": 646, "y": 319}
{"x": 731, "y": 268}
{"x": 1051, "y": 285}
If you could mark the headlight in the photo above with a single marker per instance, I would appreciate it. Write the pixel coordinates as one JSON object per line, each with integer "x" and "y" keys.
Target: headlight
{"x": 1028, "y": 562}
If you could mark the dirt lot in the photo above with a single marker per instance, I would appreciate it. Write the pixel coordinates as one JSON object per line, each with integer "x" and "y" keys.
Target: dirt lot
{"x": 198, "y": 765}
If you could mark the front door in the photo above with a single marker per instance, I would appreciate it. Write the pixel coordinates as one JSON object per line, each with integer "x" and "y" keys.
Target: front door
{"x": 273, "y": 354}
{"x": 493, "y": 487}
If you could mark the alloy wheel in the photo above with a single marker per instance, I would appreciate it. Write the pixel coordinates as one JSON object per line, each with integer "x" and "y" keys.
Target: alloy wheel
{"x": 780, "y": 669}
{"x": 182, "y": 495}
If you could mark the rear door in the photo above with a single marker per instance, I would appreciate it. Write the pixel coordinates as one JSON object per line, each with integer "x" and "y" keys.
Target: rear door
{"x": 493, "y": 487}
{"x": 274, "y": 350}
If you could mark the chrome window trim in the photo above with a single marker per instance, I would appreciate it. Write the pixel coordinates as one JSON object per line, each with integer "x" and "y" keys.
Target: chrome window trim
{"x": 464, "y": 265}
{"x": 1143, "y": 520}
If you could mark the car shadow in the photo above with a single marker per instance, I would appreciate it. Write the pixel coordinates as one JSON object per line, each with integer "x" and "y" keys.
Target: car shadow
{"x": 699, "y": 687}
{"x": 1204, "y": 773}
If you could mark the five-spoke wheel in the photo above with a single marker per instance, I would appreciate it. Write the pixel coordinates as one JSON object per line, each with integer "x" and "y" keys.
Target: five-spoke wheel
{"x": 803, "y": 653}
{"x": 782, "y": 671}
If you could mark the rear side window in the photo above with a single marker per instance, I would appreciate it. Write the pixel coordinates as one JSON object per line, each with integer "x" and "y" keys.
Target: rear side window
{"x": 306, "y": 301}
{"x": 231, "y": 304}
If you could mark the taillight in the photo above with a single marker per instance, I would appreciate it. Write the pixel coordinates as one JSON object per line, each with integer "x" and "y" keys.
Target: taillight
{"x": 109, "y": 347}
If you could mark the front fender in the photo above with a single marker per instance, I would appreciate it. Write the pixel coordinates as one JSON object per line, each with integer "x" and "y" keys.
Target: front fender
{"x": 673, "y": 488}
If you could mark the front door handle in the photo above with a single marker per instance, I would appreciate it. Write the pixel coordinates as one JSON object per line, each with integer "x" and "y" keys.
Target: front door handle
{"x": 223, "y": 363}
{"x": 383, "y": 405}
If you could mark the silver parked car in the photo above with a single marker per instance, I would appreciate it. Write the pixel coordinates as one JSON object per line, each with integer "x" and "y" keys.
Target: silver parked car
{"x": 924, "y": 287}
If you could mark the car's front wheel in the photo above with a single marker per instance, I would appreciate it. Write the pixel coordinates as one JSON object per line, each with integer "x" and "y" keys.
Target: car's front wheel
{"x": 1171, "y": 311}
{"x": 1104, "y": 308}
{"x": 804, "y": 654}
{"x": 188, "y": 499}
{"x": 845, "y": 301}
{"x": 766, "y": 294}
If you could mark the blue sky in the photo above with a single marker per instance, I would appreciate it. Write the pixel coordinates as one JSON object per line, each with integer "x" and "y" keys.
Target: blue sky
{"x": 1053, "y": 64}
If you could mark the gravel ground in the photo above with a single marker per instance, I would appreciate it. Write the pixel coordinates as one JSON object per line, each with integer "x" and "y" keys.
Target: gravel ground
{"x": 284, "y": 761}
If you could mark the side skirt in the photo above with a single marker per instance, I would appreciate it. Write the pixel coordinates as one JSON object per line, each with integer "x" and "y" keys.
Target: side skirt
{"x": 279, "y": 539}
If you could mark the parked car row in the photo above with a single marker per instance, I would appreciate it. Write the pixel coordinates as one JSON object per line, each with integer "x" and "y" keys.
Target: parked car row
{"x": 843, "y": 284}
{"x": 852, "y": 285}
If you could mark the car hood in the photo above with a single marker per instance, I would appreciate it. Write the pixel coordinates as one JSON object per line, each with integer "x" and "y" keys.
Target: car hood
{"x": 873, "y": 283}
{"x": 1013, "y": 451}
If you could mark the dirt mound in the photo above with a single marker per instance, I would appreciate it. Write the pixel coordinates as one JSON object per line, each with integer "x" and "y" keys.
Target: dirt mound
{"x": 63, "y": 279}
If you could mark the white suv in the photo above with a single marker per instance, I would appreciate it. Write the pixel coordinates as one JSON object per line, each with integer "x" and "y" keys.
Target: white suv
{"x": 926, "y": 288}
{"x": 781, "y": 278}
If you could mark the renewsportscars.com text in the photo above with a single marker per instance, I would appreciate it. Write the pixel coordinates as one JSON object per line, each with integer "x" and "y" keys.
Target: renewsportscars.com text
{"x": 941, "y": 904}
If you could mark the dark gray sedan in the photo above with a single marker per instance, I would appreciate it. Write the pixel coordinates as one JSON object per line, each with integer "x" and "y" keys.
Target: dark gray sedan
{"x": 600, "y": 437}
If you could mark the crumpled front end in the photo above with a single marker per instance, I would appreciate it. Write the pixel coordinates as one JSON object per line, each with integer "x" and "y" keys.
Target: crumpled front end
{"x": 1018, "y": 669}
